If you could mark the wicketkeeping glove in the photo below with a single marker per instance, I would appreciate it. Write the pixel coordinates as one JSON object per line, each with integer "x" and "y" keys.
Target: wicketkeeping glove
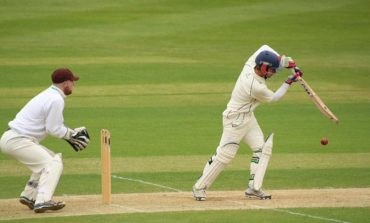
{"x": 293, "y": 78}
{"x": 79, "y": 139}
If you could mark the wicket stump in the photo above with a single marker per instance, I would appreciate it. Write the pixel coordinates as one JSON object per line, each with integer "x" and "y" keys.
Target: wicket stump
{"x": 105, "y": 166}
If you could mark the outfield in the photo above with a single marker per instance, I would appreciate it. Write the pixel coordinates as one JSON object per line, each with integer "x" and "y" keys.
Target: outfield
{"x": 158, "y": 75}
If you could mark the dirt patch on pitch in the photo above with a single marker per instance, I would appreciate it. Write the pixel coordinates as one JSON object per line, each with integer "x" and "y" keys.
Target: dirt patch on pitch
{"x": 183, "y": 201}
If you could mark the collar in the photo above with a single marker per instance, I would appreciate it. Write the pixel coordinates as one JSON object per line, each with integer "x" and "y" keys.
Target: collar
{"x": 53, "y": 87}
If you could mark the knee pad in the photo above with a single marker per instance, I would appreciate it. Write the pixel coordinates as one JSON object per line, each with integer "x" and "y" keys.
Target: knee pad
{"x": 217, "y": 163}
{"x": 227, "y": 152}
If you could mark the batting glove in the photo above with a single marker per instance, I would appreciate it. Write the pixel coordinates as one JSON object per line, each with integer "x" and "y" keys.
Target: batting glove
{"x": 287, "y": 62}
{"x": 293, "y": 78}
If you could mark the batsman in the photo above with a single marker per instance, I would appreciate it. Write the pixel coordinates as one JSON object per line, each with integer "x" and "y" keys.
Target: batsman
{"x": 40, "y": 117}
{"x": 240, "y": 124}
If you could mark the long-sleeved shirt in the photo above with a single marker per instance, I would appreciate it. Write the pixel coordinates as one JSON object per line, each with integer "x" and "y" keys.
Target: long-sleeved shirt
{"x": 42, "y": 115}
{"x": 250, "y": 89}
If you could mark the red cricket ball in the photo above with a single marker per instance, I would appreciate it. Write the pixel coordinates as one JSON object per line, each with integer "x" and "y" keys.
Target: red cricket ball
{"x": 324, "y": 141}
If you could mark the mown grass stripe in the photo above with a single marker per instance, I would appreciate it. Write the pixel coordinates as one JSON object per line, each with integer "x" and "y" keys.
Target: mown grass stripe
{"x": 196, "y": 163}
{"x": 205, "y": 91}
{"x": 93, "y": 60}
{"x": 302, "y": 214}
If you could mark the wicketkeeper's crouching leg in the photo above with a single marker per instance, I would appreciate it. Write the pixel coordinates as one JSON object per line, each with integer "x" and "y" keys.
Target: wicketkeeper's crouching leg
{"x": 48, "y": 181}
{"x": 213, "y": 168}
{"x": 28, "y": 195}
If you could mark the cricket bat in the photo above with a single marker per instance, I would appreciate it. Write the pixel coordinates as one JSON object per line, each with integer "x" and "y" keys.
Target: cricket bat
{"x": 317, "y": 101}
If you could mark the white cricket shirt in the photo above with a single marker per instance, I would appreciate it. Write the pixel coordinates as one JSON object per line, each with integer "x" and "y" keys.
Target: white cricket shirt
{"x": 250, "y": 89}
{"x": 42, "y": 115}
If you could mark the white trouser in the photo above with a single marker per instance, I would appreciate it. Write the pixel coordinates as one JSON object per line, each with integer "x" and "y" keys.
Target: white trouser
{"x": 236, "y": 127}
{"x": 31, "y": 189}
{"x": 44, "y": 164}
{"x": 26, "y": 150}
{"x": 244, "y": 127}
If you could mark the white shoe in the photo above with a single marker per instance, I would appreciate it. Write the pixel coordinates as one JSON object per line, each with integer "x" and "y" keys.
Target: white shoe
{"x": 257, "y": 193}
{"x": 199, "y": 194}
{"x": 49, "y": 205}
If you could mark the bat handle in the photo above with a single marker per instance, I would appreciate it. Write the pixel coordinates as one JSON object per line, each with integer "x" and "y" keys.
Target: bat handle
{"x": 293, "y": 72}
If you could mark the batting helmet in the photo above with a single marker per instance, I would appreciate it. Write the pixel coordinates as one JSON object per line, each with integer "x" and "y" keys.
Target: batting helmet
{"x": 267, "y": 59}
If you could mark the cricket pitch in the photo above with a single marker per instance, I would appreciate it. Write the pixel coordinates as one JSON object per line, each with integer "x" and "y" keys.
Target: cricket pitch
{"x": 183, "y": 201}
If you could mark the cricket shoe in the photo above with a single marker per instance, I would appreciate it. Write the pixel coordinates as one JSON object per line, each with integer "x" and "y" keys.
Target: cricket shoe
{"x": 257, "y": 193}
{"x": 199, "y": 194}
{"x": 48, "y": 205}
{"x": 26, "y": 201}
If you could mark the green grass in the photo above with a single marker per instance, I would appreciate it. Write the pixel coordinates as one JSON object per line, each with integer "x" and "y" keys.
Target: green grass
{"x": 228, "y": 180}
{"x": 312, "y": 215}
{"x": 158, "y": 75}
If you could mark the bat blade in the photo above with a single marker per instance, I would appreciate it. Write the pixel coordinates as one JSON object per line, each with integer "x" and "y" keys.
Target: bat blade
{"x": 317, "y": 101}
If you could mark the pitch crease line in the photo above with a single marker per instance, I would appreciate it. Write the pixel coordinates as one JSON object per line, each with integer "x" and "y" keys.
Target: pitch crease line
{"x": 301, "y": 214}
{"x": 145, "y": 182}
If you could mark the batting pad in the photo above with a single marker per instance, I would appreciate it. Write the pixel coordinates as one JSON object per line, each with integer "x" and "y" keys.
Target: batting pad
{"x": 263, "y": 163}
{"x": 213, "y": 168}
{"x": 254, "y": 165}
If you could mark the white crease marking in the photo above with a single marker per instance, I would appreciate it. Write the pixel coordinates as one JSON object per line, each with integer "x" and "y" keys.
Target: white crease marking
{"x": 145, "y": 182}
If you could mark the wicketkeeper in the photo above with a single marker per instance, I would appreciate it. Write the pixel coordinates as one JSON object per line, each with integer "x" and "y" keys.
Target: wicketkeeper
{"x": 240, "y": 124}
{"x": 40, "y": 117}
